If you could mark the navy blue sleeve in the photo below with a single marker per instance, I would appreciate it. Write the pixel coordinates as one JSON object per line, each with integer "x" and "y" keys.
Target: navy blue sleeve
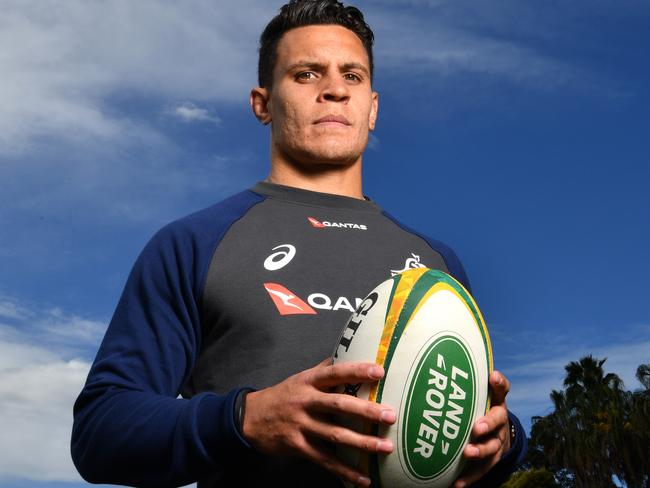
{"x": 454, "y": 265}
{"x": 129, "y": 426}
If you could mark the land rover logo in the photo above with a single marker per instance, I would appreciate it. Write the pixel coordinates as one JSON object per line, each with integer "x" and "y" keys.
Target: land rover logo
{"x": 440, "y": 408}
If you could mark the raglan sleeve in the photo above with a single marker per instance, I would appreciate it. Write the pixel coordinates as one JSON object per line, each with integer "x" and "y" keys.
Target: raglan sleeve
{"x": 130, "y": 427}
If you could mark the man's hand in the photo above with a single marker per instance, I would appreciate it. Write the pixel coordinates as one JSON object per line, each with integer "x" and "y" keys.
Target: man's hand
{"x": 491, "y": 434}
{"x": 294, "y": 416}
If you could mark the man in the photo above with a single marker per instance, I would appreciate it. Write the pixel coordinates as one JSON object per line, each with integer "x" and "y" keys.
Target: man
{"x": 254, "y": 291}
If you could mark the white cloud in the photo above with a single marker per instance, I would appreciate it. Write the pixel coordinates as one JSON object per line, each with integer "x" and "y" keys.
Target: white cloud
{"x": 188, "y": 112}
{"x": 15, "y": 353}
{"x": 42, "y": 370}
{"x": 10, "y": 309}
{"x": 70, "y": 328}
{"x": 83, "y": 91}
{"x": 25, "y": 325}
{"x": 409, "y": 45}
{"x": 36, "y": 417}
{"x": 61, "y": 64}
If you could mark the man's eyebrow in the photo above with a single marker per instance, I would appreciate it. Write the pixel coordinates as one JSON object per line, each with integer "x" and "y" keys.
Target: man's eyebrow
{"x": 320, "y": 66}
{"x": 305, "y": 64}
{"x": 359, "y": 66}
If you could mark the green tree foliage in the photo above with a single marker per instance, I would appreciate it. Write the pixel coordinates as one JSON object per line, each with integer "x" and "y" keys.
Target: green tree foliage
{"x": 533, "y": 478}
{"x": 637, "y": 431}
{"x": 597, "y": 429}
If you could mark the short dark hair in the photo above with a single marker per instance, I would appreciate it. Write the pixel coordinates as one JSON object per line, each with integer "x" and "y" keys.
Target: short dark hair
{"x": 300, "y": 13}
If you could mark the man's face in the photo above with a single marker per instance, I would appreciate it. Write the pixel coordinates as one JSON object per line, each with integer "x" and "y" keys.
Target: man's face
{"x": 321, "y": 105}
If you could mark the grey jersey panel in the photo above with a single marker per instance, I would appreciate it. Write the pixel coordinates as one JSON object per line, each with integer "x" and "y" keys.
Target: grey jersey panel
{"x": 246, "y": 340}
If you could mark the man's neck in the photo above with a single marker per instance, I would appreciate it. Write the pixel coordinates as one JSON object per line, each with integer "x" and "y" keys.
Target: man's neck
{"x": 342, "y": 180}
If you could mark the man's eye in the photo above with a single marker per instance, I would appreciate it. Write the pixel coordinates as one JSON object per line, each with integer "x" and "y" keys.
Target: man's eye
{"x": 352, "y": 77}
{"x": 305, "y": 75}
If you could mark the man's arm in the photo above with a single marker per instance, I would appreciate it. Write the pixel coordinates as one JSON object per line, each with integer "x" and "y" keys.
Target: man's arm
{"x": 128, "y": 422}
{"x": 130, "y": 427}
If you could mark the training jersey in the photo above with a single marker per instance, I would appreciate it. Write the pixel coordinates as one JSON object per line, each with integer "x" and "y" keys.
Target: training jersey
{"x": 240, "y": 295}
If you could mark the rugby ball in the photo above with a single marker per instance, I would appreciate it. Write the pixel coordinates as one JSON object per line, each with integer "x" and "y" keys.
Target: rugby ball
{"x": 427, "y": 332}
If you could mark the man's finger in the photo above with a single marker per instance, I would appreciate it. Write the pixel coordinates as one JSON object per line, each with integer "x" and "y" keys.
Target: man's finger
{"x": 340, "y": 435}
{"x": 333, "y": 464}
{"x": 483, "y": 450}
{"x": 500, "y": 387}
{"x": 341, "y": 404}
{"x": 341, "y": 373}
{"x": 491, "y": 423}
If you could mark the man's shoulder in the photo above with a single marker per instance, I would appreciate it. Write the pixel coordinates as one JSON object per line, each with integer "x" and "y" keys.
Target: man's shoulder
{"x": 219, "y": 214}
{"x": 449, "y": 256}
{"x": 194, "y": 237}
{"x": 211, "y": 222}
{"x": 185, "y": 246}
{"x": 435, "y": 244}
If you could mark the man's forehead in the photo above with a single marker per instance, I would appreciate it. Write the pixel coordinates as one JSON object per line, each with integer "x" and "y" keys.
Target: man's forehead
{"x": 322, "y": 45}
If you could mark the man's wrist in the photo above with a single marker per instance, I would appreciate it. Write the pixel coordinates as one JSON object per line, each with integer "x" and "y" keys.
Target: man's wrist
{"x": 240, "y": 410}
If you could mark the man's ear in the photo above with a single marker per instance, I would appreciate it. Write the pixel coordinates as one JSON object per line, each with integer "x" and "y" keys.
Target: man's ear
{"x": 374, "y": 110}
{"x": 259, "y": 100}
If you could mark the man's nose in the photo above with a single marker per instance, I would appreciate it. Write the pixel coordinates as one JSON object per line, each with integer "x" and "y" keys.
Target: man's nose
{"x": 335, "y": 89}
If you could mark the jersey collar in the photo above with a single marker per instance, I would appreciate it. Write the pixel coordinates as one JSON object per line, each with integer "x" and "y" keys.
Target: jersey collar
{"x": 298, "y": 195}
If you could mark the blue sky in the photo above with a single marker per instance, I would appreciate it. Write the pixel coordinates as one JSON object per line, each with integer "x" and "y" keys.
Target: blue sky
{"x": 517, "y": 132}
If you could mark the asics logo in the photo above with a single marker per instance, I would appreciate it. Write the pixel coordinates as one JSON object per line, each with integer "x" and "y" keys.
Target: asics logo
{"x": 278, "y": 260}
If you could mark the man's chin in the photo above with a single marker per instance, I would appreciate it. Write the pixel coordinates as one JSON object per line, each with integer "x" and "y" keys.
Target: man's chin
{"x": 330, "y": 156}
{"x": 321, "y": 162}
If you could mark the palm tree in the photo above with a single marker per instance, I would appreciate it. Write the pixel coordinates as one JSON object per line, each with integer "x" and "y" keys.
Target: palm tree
{"x": 579, "y": 435}
{"x": 594, "y": 401}
{"x": 636, "y": 436}
{"x": 596, "y": 430}
{"x": 643, "y": 375}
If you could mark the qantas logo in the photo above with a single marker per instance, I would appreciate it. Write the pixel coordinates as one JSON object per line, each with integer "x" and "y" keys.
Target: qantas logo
{"x": 341, "y": 225}
{"x": 315, "y": 222}
{"x": 288, "y": 302}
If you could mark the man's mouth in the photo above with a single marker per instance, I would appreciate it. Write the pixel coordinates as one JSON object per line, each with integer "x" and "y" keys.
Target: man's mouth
{"x": 333, "y": 120}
